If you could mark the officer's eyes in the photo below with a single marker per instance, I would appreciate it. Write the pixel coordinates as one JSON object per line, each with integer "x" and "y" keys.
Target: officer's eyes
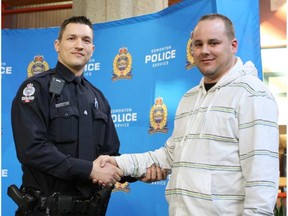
{"x": 87, "y": 41}
{"x": 71, "y": 38}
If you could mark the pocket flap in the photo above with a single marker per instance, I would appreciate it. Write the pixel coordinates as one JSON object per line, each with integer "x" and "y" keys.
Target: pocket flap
{"x": 98, "y": 115}
{"x": 63, "y": 112}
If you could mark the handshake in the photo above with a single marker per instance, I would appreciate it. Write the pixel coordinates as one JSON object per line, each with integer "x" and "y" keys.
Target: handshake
{"x": 106, "y": 172}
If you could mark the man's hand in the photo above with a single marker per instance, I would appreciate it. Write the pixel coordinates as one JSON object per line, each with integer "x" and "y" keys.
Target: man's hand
{"x": 155, "y": 173}
{"x": 107, "y": 174}
{"x": 104, "y": 159}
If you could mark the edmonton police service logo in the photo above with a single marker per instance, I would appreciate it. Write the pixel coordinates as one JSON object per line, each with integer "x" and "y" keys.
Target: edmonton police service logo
{"x": 189, "y": 58}
{"x": 38, "y": 65}
{"x": 122, "y": 65}
{"x": 121, "y": 187}
{"x": 158, "y": 117}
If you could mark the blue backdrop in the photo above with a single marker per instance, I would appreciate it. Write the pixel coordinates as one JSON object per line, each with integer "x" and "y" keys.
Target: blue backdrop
{"x": 142, "y": 65}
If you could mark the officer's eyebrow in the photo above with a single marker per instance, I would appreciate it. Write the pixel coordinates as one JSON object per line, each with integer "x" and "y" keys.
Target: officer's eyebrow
{"x": 78, "y": 35}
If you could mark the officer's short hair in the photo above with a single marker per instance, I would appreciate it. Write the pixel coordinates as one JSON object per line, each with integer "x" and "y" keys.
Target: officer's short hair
{"x": 74, "y": 19}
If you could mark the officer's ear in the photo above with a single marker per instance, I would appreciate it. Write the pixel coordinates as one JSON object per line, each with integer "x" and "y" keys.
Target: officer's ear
{"x": 56, "y": 45}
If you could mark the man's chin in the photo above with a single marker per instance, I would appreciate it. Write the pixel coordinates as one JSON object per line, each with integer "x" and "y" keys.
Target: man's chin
{"x": 206, "y": 71}
{"x": 78, "y": 66}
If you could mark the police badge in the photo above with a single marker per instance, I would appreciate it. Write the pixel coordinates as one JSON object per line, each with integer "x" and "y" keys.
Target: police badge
{"x": 189, "y": 58}
{"x": 28, "y": 93}
{"x": 158, "y": 117}
{"x": 36, "y": 66}
{"x": 122, "y": 65}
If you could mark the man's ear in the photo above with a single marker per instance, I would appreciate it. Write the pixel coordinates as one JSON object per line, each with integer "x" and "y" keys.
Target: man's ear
{"x": 234, "y": 45}
{"x": 56, "y": 45}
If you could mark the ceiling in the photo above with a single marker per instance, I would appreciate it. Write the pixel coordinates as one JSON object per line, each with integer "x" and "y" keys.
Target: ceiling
{"x": 12, "y": 7}
{"x": 16, "y": 3}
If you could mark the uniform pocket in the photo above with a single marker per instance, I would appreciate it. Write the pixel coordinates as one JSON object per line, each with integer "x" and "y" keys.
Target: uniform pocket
{"x": 64, "y": 124}
{"x": 99, "y": 127}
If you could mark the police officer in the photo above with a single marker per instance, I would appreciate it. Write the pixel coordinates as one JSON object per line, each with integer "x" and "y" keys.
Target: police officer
{"x": 61, "y": 124}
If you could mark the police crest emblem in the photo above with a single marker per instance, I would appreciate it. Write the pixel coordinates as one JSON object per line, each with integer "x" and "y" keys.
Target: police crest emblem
{"x": 122, "y": 65}
{"x": 158, "y": 117}
{"x": 28, "y": 93}
{"x": 189, "y": 58}
{"x": 38, "y": 65}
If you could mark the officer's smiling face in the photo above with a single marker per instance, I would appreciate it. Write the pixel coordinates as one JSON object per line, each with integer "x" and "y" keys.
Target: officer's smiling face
{"x": 76, "y": 47}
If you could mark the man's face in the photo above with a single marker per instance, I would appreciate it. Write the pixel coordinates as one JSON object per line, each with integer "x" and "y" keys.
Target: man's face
{"x": 212, "y": 50}
{"x": 76, "y": 47}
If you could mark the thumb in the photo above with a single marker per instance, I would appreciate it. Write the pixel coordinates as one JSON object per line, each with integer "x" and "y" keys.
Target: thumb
{"x": 105, "y": 159}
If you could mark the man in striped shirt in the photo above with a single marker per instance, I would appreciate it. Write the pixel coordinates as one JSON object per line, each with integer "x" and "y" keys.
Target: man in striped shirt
{"x": 223, "y": 152}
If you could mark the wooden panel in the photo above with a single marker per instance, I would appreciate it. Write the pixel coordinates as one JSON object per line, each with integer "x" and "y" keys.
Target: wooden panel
{"x": 15, "y": 3}
{"x": 282, "y": 182}
{"x": 171, "y": 2}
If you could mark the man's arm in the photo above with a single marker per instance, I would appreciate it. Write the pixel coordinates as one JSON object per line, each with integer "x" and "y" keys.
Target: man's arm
{"x": 258, "y": 149}
{"x": 153, "y": 173}
{"x": 136, "y": 165}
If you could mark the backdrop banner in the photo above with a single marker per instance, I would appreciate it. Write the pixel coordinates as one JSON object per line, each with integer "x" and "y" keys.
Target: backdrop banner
{"x": 143, "y": 65}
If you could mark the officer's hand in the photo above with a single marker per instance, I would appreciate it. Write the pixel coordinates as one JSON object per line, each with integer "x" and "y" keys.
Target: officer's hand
{"x": 104, "y": 159}
{"x": 108, "y": 174}
{"x": 155, "y": 173}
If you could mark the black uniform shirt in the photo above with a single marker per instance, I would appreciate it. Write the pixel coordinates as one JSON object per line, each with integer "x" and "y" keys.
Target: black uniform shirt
{"x": 46, "y": 133}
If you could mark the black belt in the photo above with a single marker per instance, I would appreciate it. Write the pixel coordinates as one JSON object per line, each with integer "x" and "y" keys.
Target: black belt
{"x": 65, "y": 204}
{"x": 77, "y": 205}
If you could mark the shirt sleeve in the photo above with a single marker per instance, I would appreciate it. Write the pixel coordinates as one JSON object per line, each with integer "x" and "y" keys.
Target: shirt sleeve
{"x": 135, "y": 165}
{"x": 258, "y": 149}
{"x": 30, "y": 119}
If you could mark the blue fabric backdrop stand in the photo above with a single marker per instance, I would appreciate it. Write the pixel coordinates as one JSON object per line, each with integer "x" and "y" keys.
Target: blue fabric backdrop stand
{"x": 156, "y": 71}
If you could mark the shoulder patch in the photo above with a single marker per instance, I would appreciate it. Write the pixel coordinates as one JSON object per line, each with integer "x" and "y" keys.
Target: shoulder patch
{"x": 28, "y": 93}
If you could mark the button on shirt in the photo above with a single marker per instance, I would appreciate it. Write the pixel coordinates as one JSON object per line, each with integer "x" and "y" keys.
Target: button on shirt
{"x": 48, "y": 134}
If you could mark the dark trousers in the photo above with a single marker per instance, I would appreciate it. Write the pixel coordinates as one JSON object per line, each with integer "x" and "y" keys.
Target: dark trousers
{"x": 42, "y": 212}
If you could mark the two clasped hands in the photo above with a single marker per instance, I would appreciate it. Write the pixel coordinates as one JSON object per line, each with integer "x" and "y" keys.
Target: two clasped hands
{"x": 105, "y": 172}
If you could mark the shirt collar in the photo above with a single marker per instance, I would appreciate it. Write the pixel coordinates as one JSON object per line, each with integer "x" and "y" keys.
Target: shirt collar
{"x": 63, "y": 71}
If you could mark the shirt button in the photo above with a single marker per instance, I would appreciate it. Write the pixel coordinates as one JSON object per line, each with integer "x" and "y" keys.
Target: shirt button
{"x": 66, "y": 114}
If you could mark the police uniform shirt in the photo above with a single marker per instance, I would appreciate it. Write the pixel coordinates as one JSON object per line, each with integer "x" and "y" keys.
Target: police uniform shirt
{"x": 46, "y": 132}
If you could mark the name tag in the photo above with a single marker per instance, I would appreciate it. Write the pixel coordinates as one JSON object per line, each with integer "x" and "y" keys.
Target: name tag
{"x": 63, "y": 104}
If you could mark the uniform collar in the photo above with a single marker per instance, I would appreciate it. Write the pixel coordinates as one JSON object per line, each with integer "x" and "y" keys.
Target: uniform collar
{"x": 63, "y": 71}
